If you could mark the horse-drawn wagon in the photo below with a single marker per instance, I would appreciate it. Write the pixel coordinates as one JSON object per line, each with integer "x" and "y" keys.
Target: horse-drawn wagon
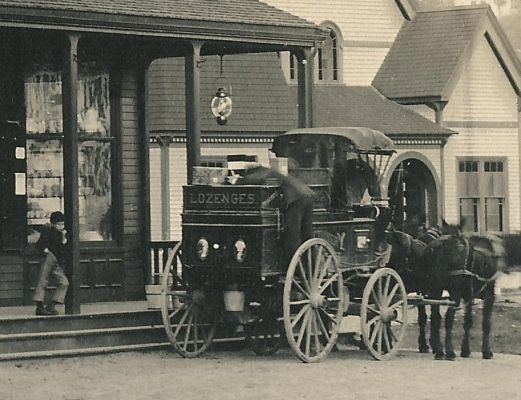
{"x": 232, "y": 249}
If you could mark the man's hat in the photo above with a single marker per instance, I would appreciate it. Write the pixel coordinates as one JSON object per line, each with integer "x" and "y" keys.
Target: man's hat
{"x": 57, "y": 216}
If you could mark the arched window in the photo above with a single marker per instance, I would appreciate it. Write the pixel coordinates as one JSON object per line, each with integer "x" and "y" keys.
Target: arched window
{"x": 329, "y": 57}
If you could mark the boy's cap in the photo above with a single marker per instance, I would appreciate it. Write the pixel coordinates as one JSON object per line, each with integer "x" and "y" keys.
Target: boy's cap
{"x": 57, "y": 216}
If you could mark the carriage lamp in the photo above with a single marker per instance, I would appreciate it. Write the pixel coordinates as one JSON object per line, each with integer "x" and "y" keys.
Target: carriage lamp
{"x": 202, "y": 249}
{"x": 240, "y": 250}
{"x": 221, "y": 106}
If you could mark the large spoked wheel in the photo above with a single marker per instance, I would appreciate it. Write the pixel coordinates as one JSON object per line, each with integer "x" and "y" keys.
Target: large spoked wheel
{"x": 383, "y": 315}
{"x": 188, "y": 318}
{"x": 313, "y": 301}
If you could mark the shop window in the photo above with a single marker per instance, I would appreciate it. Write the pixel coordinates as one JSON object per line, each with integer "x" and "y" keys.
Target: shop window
{"x": 44, "y": 125}
{"x": 482, "y": 194}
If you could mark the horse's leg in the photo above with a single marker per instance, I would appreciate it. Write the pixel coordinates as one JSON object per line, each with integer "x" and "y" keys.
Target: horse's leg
{"x": 488, "y": 303}
{"x": 449, "y": 325}
{"x": 422, "y": 323}
{"x": 437, "y": 346}
{"x": 467, "y": 323}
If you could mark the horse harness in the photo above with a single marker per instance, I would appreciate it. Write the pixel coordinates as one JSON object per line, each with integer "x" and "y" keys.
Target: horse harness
{"x": 468, "y": 266}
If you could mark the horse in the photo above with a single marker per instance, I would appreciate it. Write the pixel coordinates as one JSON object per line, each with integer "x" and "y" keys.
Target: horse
{"x": 407, "y": 258}
{"x": 467, "y": 267}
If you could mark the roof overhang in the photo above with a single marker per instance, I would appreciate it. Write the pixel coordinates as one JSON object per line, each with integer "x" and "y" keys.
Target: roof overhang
{"x": 492, "y": 32}
{"x": 269, "y": 36}
{"x": 406, "y": 8}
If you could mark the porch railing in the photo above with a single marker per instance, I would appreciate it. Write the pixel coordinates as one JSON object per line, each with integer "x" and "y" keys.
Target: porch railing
{"x": 159, "y": 252}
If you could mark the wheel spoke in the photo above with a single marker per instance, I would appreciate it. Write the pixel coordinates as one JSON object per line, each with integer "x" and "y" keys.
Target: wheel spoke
{"x": 310, "y": 267}
{"x": 393, "y": 292}
{"x": 386, "y": 290}
{"x": 188, "y": 330}
{"x": 299, "y": 287}
{"x": 379, "y": 288}
{"x": 393, "y": 336}
{"x": 322, "y": 326}
{"x": 376, "y": 298}
{"x": 304, "y": 277}
{"x": 303, "y": 328}
{"x": 182, "y": 320}
{"x": 379, "y": 339}
{"x": 196, "y": 322}
{"x": 331, "y": 318}
{"x": 333, "y": 278}
{"x": 374, "y": 332}
{"x": 386, "y": 337}
{"x": 315, "y": 331}
{"x": 325, "y": 269}
{"x": 373, "y": 320}
{"x": 308, "y": 335}
{"x": 318, "y": 258}
{"x": 396, "y": 305}
{"x": 299, "y": 315}
{"x": 372, "y": 309}
{"x": 299, "y": 302}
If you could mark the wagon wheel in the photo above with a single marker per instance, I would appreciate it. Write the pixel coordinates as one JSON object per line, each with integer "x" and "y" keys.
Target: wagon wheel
{"x": 383, "y": 315}
{"x": 188, "y": 319}
{"x": 265, "y": 336}
{"x": 313, "y": 300}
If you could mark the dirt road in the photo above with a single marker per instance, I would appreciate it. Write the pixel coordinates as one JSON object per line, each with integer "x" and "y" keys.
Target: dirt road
{"x": 241, "y": 375}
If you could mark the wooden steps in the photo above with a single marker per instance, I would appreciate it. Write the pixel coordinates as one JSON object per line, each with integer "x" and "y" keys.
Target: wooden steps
{"x": 67, "y": 335}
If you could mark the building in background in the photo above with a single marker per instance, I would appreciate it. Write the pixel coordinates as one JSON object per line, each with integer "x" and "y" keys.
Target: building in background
{"x": 444, "y": 84}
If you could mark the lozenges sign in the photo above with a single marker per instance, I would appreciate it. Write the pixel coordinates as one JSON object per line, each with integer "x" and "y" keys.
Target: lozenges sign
{"x": 203, "y": 197}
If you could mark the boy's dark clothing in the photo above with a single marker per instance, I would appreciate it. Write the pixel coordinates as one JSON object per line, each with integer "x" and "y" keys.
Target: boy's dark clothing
{"x": 297, "y": 200}
{"x": 51, "y": 239}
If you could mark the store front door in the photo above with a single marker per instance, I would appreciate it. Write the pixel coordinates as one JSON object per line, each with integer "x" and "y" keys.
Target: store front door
{"x": 13, "y": 187}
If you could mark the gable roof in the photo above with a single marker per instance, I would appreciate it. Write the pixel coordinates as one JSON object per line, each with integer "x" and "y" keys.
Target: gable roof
{"x": 364, "y": 106}
{"x": 429, "y": 53}
{"x": 178, "y": 18}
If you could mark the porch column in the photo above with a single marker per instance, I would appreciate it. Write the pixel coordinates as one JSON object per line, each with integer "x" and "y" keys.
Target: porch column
{"x": 305, "y": 77}
{"x": 70, "y": 170}
{"x": 193, "y": 108}
{"x": 144, "y": 156}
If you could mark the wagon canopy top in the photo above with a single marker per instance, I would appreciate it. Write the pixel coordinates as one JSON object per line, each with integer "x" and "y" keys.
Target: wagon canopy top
{"x": 363, "y": 139}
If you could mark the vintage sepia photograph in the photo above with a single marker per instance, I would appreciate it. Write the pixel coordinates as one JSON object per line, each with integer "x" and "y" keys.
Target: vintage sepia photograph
{"x": 260, "y": 199}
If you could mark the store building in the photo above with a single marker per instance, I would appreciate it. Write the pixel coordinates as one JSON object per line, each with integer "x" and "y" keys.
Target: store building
{"x": 73, "y": 124}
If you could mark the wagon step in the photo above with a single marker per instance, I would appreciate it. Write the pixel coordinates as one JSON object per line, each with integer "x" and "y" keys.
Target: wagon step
{"x": 417, "y": 300}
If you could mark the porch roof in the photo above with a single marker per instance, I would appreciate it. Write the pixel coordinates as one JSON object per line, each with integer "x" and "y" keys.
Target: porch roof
{"x": 244, "y": 21}
{"x": 364, "y": 106}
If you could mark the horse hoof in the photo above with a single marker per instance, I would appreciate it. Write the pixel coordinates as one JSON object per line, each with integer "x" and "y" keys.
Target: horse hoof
{"x": 439, "y": 356}
{"x": 465, "y": 354}
{"x": 488, "y": 356}
{"x": 450, "y": 357}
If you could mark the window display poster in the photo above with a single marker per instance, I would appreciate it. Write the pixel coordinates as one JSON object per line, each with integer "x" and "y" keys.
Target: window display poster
{"x": 19, "y": 184}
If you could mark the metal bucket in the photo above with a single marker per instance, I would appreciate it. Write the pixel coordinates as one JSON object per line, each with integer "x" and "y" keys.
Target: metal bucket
{"x": 233, "y": 300}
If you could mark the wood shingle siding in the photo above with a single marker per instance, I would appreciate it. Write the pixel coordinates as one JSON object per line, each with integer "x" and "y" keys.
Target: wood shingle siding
{"x": 11, "y": 280}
